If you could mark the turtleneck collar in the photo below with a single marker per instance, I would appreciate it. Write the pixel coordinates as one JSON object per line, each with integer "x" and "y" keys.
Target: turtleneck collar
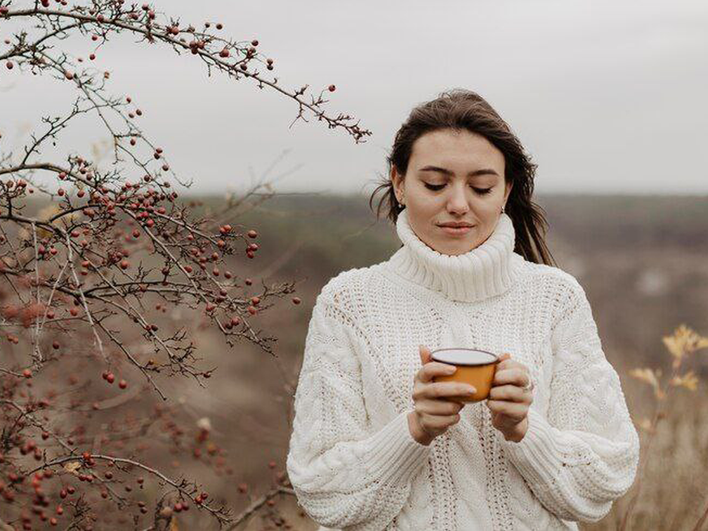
{"x": 485, "y": 271}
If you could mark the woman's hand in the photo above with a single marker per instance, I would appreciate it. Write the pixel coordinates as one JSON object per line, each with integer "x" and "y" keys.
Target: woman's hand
{"x": 508, "y": 400}
{"x": 434, "y": 413}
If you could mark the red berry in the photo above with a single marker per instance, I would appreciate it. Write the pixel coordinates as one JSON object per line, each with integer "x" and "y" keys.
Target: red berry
{"x": 296, "y": 300}
{"x": 27, "y": 373}
{"x": 122, "y": 384}
{"x": 332, "y": 88}
{"x": 9, "y": 65}
{"x": 110, "y": 378}
{"x": 252, "y": 234}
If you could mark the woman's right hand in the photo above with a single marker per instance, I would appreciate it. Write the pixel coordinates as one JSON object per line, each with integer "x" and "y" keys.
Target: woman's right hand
{"x": 434, "y": 411}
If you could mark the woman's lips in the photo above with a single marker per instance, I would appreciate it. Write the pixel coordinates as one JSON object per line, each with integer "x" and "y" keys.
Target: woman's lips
{"x": 456, "y": 231}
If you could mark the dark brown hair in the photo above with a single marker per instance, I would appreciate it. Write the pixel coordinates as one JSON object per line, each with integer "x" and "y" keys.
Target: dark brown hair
{"x": 461, "y": 109}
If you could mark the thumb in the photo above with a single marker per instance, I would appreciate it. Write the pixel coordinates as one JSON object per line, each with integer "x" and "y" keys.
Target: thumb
{"x": 425, "y": 355}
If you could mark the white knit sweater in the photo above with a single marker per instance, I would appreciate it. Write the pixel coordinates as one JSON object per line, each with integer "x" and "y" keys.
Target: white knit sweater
{"x": 352, "y": 460}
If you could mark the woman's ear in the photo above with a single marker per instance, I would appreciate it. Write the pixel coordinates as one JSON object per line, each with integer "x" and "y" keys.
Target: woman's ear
{"x": 509, "y": 186}
{"x": 396, "y": 180}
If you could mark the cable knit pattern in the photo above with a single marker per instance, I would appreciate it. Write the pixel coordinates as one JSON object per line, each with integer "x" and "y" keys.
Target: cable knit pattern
{"x": 352, "y": 460}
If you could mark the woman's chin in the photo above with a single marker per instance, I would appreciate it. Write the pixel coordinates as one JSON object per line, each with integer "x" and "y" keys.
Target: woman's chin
{"x": 455, "y": 248}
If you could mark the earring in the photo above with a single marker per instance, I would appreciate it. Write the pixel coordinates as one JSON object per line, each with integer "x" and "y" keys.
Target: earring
{"x": 502, "y": 210}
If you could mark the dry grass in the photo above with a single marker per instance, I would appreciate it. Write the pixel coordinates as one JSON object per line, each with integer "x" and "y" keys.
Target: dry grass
{"x": 643, "y": 268}
{"x": 642, "y": 263}
{"x": 671, "y": 489}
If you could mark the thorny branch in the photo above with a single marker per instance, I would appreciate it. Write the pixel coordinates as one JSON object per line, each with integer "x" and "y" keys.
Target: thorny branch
{"x": 110, "y": 274}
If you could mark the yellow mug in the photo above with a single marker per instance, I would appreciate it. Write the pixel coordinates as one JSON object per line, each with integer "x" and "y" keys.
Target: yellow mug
{"x": 474, "y": 366}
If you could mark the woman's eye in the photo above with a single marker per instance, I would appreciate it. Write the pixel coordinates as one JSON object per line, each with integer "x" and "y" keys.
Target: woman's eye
{"x": 438, "y": 187}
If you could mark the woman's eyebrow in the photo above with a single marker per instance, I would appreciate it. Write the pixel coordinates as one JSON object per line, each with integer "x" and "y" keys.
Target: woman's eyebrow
{"x": 444, "y": 171}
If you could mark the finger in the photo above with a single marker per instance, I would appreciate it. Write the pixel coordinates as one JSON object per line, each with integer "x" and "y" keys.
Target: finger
{"x": 438, "y": 407}
{"x": 505, "y": 356}
{"x": 510, "y": 364}
{"x": 438, "y": 422}
{"x": 425, "y": 354}
{"x": 438, "y": 390}
{"x": 435, "y": 368}
{"x": 512, "y": 410}
{"x": 515, "y": 376}
{"x": 506, "y": 364}
{"x": 510, "y": 393}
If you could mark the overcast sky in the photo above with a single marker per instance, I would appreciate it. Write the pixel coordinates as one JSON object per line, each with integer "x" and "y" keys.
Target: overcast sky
{"x": 608, "y": 96}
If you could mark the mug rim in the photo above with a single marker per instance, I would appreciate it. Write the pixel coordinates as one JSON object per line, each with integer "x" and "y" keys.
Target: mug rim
{"x": 472, "y": 364}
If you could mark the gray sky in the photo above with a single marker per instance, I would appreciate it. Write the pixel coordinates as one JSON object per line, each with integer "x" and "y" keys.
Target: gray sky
{"x": 608, "y": 96}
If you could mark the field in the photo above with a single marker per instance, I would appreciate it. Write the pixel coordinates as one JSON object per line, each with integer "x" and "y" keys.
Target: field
{"x": 641, "y": 260}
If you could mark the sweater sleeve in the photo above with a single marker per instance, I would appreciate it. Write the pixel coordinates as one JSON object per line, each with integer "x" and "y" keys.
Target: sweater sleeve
{"x": 584, "y": 454}
{"x": 346, "y": 473}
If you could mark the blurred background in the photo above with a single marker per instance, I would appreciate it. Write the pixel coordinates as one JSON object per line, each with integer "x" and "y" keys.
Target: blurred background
{"x": 609, "y": 98}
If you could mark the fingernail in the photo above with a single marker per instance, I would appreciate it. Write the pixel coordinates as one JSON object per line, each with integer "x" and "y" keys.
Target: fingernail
{"x": 471, "y": 390}
{"x": 452, "y": 370}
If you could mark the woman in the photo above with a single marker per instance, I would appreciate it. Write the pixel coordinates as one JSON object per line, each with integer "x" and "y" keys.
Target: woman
{"x": 376, "y": 444}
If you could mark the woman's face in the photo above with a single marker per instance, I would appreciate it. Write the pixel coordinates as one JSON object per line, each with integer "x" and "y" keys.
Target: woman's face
{"x": 453, "y": 176}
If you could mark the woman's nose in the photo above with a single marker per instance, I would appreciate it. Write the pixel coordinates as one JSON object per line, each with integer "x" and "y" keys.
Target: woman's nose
{"x": 457, "y": 203}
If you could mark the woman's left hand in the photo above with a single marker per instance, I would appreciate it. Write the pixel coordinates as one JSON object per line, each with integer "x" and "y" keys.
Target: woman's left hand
{"x": 508, "y": 400}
